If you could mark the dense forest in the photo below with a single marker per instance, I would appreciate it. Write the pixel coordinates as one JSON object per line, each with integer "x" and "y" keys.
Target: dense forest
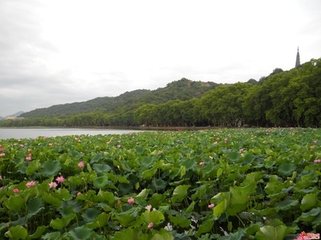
{"x": 282, "y": 99}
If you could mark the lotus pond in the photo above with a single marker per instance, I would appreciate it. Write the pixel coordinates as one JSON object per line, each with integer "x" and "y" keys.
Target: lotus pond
{"x": 217, "y": 184}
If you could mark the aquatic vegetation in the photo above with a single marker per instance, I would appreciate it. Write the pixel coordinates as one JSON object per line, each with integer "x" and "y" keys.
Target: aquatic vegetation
{"x": 218, "y": 184}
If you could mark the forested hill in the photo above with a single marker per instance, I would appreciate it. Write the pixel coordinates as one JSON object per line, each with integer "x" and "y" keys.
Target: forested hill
{"x": 183, "y": 89}
{"x": 282, "y": 99}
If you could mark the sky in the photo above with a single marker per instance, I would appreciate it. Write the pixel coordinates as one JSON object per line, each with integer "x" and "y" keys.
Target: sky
{"x": 62, "y": 51}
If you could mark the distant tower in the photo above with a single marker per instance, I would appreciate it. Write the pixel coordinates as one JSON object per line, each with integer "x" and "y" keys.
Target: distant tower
{"x": 297, "y": 61}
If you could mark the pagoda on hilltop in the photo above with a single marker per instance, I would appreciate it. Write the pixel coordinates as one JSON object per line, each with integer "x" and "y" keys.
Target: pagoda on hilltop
{"x": 297, "y": 61}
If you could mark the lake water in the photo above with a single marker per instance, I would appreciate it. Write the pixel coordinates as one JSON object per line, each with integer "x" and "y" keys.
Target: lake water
{"x": 6, "y": 133}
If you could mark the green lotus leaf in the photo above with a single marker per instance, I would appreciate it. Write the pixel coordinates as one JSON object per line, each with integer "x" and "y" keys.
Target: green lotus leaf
{"x": 14, "y": 203}
{"x": 34, "y": 206}
{"x": 190, "y": 208}
{"x": 233, "y": 156}
{"x": 69, "y": 207}
{"x": 51, "y": 199}
{"x": 154, "y": 216}
{"x": 80, "y": 233}
{"x": 90, "y": 214}
{"x": 125, "y": 218}
{"x": 100, "y": 221}
{"x": 179, "y": 193}
{"x": 143, "y": 194}
{"x": 163, "y": 235}
{"x": 274, "y": 186}
{"x": 205, "y": 227}
{"x": 101, "y": 182}
{"x": 101, "y": 168}
{"x": 239, "y": 199}
{"x": 52, "y": 236}
{"x": 130, "y": 233}
{"x": 60, "y": 223}
{"x": 106, "y": 197}
{"x": 309, "y": 216}
{"x": 149, "y": 173}
{"x": 33, "y": 167}
{"x": 63, "y": 194}
{"x": 180, "y": 221}
{"x": 309, "y": 201}
{"x": 39, "y": 232}
{"x": 287, "y": 204}
{"x": 50, "y": 168}
{"x": 271, "y": 232}
{"x": 286, "y": 168}
{"x": 17, "y": 232}
{"x": 220, "y": 208}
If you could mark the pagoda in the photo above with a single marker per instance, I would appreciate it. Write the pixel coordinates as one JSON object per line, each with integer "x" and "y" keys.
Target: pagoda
{"x": 297, "y": 61}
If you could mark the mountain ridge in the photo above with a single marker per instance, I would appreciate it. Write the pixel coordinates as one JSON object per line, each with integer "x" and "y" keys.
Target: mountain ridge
{"x": 182, "y": 89}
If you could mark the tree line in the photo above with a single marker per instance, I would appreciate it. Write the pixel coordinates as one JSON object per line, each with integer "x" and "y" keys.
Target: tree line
{"x": 282, "y": 99}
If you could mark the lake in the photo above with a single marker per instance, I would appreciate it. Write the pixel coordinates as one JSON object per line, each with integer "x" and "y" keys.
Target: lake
{"x": 6, "y": 133}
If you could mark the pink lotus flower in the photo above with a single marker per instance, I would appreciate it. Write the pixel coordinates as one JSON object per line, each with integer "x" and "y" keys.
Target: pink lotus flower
{"x": 29, "y": 157}
{"x": 210, "y": 205}
{"x": 60, "y": 179}
{"x": 31, "y": 184}
{"x": 150, "y": 225}
{"x": 131, "y": 201}
{"x": 15, "y": 190}
{"x": 53, "y": 185}
{"x": 317, "y": 161}
{"x": 81, "y": 165}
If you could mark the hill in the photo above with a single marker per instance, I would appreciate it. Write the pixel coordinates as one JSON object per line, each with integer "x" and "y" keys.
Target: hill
{"x": 183, "y": 89}
{"x": 282, "y": 99}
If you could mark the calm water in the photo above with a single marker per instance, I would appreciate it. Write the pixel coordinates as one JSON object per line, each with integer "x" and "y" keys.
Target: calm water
{"x": 53, "y": 132}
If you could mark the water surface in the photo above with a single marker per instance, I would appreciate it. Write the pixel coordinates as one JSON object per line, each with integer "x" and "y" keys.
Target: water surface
{"x": 6, "y": 133}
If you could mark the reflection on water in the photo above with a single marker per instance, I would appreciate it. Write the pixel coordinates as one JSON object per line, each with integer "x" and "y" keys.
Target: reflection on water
{"x": 6, "y": 133}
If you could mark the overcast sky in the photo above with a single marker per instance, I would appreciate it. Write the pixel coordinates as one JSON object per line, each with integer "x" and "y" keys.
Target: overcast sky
{"x": 59, "y": 51}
